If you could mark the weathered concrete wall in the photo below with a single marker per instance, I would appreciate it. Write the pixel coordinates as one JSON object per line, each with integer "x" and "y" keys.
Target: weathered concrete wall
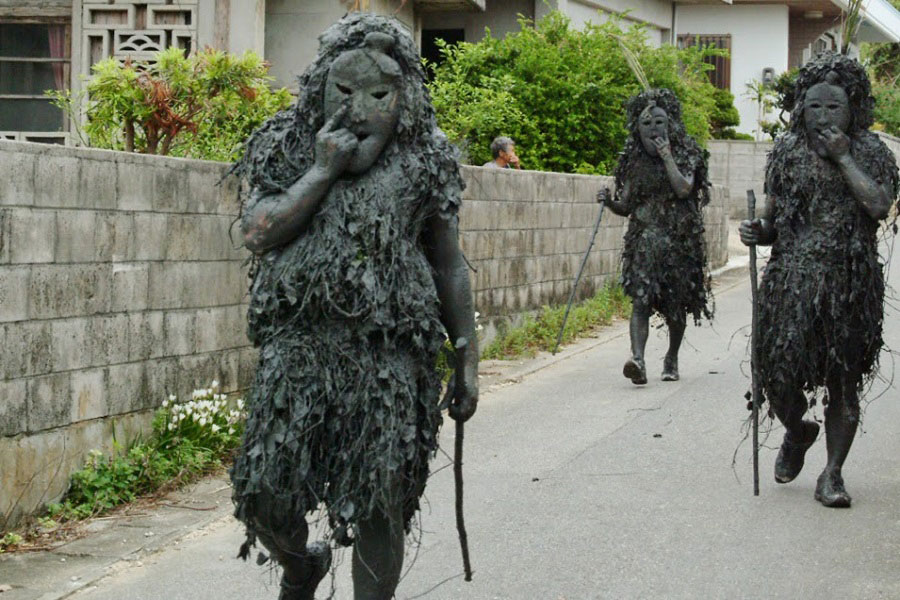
{"x": 739, "y": 166}
{"x": 119, "y": 285}
{"x": 526, "y": 232}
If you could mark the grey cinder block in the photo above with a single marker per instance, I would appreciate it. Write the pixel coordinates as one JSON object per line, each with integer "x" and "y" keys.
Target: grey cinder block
{"x": 49, "y": 401}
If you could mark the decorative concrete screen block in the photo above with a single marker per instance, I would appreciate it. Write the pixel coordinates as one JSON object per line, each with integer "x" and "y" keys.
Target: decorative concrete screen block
{"x": 108, "y": 16}
{"x": 135, "y": 30}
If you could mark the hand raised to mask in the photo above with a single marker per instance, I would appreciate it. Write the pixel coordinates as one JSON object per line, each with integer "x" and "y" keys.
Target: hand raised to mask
{"x": 335, "y": 144}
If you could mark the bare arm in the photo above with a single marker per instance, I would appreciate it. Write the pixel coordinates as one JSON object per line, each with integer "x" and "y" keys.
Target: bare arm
{"x": 272, "y": 220}
{"x": 682, "y": 185}
{"x": 451, "y": 278}
{"x": 874, "y": 199}
{"x": 761, "y": 230}
{"x": 619, "y": 207}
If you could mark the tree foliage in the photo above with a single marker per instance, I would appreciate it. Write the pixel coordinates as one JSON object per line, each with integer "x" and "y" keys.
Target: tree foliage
{"x": 883, "y": 62}
{"x": 202, "y": 106}
{"x": 560, "y": 92}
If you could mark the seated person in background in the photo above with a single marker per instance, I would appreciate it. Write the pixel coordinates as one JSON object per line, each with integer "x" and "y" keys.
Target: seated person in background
{"x": 503, "y": 150}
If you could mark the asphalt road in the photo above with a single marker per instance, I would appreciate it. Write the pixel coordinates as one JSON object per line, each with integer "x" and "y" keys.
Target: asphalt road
{"x": 580, "y": 485}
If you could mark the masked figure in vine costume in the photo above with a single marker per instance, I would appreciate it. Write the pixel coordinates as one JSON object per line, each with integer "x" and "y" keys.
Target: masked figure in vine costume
{"x": 829, "y": 181}
{"x": 358, "y": 274}
{"x": 662, "y": 185}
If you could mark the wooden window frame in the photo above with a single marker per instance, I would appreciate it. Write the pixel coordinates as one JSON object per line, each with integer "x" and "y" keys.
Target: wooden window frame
{"x": 720, "y": 75}
{"x": 66, "y": 22}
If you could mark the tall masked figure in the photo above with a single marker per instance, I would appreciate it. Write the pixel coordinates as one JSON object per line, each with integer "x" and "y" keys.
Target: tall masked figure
{"x": 357, "y": 280}
{"x": 829, "y": 181}
{"x": 662, "y": 185}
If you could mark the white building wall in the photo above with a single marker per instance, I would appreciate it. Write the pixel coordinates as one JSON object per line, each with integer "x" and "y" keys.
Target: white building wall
{"x": 500, "y": 16}
{"x": 759, "y": 39}
{"x": 292, "y": 29}
{"x": 656, "y": 15}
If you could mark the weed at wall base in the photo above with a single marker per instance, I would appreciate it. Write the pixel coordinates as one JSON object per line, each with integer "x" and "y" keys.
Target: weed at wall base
{"x": 539, "y": 332}
{"x": 189, "y": 439}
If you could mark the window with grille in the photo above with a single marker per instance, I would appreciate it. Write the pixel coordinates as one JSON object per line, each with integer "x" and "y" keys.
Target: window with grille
{"x": 720, "y": 75}
{"x": 34, "y": 57}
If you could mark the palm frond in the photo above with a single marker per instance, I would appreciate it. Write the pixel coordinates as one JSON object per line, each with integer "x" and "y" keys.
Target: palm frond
{"x": 633, "y": 63}
{"x": 852, "y": 21}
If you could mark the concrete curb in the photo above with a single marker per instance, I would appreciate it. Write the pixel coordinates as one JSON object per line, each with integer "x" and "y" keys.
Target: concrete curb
{"x": 114, "y": 541}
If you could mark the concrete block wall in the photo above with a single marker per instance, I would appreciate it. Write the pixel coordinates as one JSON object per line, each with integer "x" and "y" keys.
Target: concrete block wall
{"x": 739, "y": 166}
{"x": 526, "y": 234}
{"x": 118, "y": 286}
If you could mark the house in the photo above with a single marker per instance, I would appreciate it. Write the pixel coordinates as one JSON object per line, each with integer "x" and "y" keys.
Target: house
{"x": 765, "y": 37}
{"x": 51, "y": 44}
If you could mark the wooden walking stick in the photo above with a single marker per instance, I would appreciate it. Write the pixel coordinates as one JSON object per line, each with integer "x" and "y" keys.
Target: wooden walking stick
{"x": 461, "y": 346}
{"x": 600, "y": 196}
{"x": 755, "y": 395}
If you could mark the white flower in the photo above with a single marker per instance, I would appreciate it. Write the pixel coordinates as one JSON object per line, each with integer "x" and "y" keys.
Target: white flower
{"x": 240, "y": 404}
{"x": 165, "y": 403}
{"x": 215, "y": 428}
{"x": 171, "y": 427}
{"x": 182, "y": 416}
{"x": 215, "y": 384}
{"x": 231, "y": 431}
{"x": 172, "y": 398}
{"x": 202, "y": 421}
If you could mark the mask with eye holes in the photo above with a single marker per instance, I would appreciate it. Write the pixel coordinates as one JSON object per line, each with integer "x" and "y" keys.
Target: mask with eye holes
{"x": 367, "y": 82}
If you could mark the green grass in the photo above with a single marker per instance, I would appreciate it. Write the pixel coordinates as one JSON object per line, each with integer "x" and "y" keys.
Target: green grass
{"x": 539, "y": 332}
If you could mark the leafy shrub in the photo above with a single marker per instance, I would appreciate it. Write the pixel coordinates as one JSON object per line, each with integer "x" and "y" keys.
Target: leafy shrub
{"x": 560, "y": 92}
{"x": 201, "y": 106}
{"x": 725, "y": 116}
{"x": 188, "y": 439}
{"x": 887, "y": 106}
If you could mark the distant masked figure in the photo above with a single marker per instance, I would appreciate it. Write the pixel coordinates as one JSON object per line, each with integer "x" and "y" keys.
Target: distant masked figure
{"x": 662, "y": 186}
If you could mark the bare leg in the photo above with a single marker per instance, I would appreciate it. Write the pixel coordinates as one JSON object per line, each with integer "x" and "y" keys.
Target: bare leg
{"x": 789, "y": 405}
{"x": 676, "y": 335}
{"x": 841, "y": 421}
{"x": 378, "y": 556}
{"x": 285, "y": 539}
{"x": 639, "y": 329}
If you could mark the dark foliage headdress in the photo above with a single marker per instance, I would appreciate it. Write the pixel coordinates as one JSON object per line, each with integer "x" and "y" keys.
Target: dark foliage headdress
{"x": 839, "y": 70}
{"x": 283, "y": 148}
{"x": 687, "y": 153}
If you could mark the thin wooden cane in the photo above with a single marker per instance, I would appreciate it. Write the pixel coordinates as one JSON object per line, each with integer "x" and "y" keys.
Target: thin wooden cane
{"x": 754, "y": 362}
{"x": 578, "y": 278}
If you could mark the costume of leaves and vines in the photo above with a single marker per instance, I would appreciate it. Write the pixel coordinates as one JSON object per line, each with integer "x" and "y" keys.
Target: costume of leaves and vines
{"x": 822, "y": 294}
{"x": 664, "y": 260}
{"x": 344, "y": 408}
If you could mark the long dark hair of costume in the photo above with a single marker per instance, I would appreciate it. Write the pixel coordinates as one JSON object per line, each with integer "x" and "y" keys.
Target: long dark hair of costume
{"x": 687, "y": 153}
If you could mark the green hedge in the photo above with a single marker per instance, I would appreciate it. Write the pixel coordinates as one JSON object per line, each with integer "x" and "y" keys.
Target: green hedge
{"x": 560, "y": 92}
